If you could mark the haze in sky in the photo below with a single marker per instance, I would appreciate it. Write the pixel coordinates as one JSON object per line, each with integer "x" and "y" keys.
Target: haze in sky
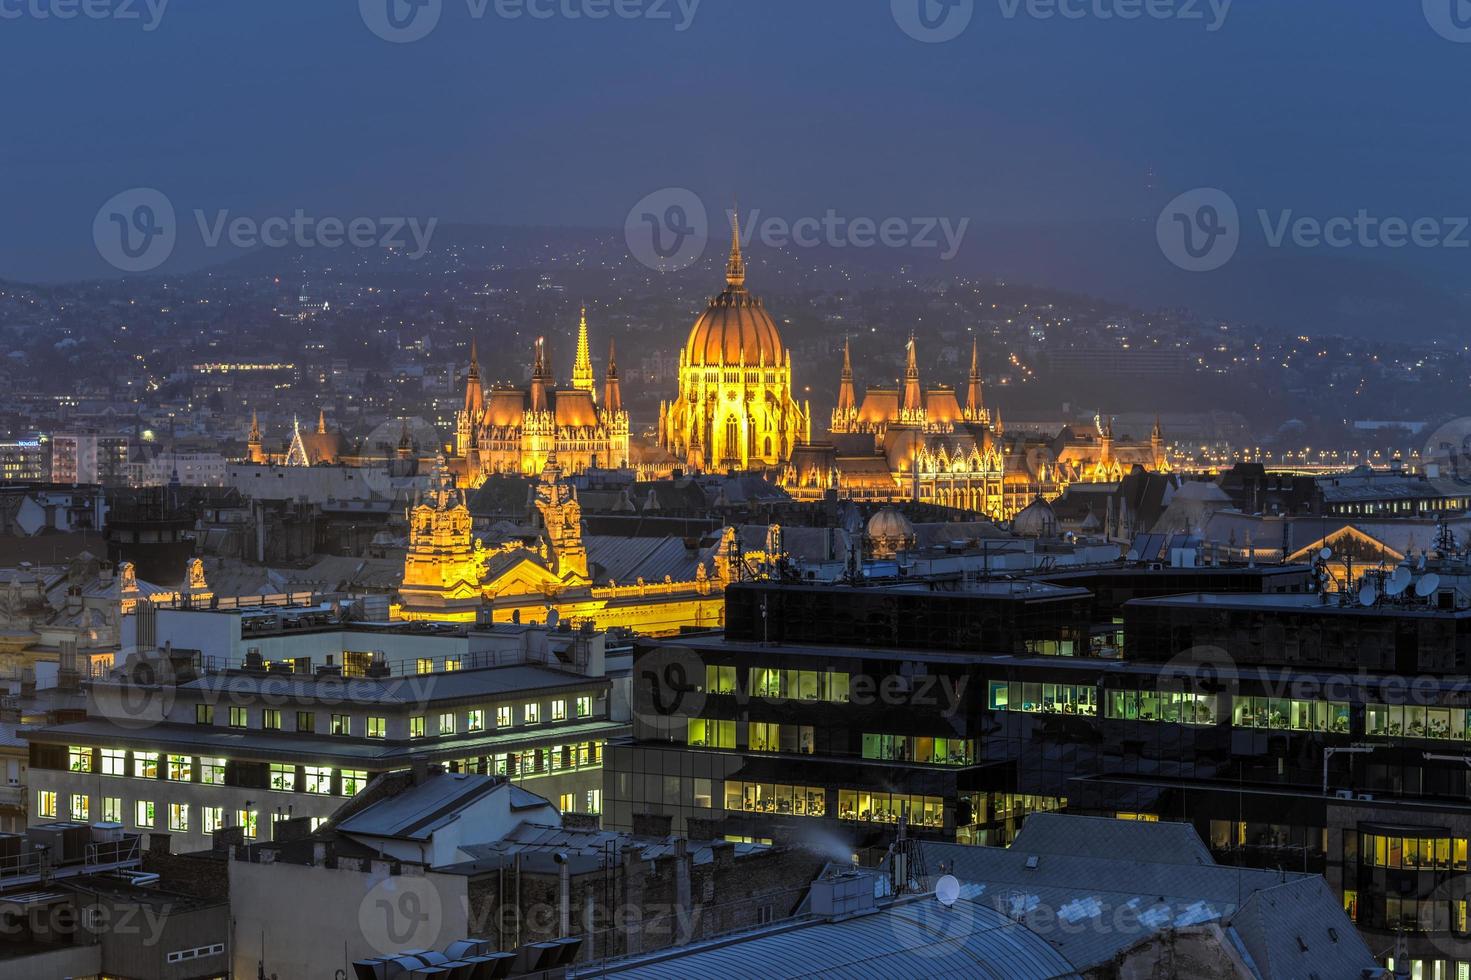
{"x": 1059, "y": 128}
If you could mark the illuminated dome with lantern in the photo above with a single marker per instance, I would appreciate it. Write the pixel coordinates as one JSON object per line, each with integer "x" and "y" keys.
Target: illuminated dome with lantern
{"x": 735, "y": 409}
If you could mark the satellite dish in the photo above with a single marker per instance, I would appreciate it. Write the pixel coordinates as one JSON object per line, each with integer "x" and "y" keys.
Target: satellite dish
{"x": 1368, "y": 595}
{"x": 1426, "y": 586}
{"x": 1396, "y": 585}
{"x": 947, "y": 890}
{"x": 1325, "y": 554}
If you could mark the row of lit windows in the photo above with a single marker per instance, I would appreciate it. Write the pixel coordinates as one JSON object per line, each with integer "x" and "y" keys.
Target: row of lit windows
{"x": 211, "y": 769}
{"x": 779, "y": 798}
{"x": 1177, "y": 707}
{"x": 1290, "y": 713}
{"x": 567, "y": 802}
{"x": 1413, "y": 853}
{"x": 376, "y": 726}
{"x": 150, "y": 815}
{"x": 447, "y": 722}
{"x": 811, "y": 801}
{"x": 761, "y": 736}
{"x": 769, "y": 682}
{"x": 920, "y": 749}
{"x": 543, "y": 761}
{"x": 870, "y": 807}
{"x": 146, "y": 765}
{"x": 1414, "y": 721}
{"x": 1066, "y": 699}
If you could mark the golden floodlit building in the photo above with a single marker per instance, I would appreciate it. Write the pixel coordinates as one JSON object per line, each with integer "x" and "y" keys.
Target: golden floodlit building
{"x": 508, "y": 429}
{"x": 451, "y": 576}
{"x": 734, "y": 409}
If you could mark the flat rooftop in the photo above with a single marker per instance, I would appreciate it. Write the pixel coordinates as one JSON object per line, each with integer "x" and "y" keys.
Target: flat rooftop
{"x": 1337, "y": 604}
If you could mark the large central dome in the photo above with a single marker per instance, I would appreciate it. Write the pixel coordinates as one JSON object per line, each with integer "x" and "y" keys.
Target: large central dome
{"x": 735, "y": 330}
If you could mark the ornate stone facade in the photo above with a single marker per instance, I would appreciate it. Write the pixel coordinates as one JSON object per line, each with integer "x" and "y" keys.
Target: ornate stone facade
{"x": 734, "y": 409}
{"x": 515, "y": 430}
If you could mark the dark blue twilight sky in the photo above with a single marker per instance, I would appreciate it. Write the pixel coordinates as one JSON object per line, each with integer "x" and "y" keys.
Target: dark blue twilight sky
{"x": 264, "y": 106}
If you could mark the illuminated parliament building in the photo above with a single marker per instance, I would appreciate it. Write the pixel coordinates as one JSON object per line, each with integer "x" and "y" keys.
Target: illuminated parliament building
{"x": 514, "y": 430}
{"x": 734, "y": 408}
{"x": 913, "y": 442}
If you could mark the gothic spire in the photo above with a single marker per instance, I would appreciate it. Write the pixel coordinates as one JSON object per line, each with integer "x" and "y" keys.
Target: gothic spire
{"x": 913, "y": 399}
{"x": 975, "y": 402}
{"x": 846, "y": 399}
{"x": 735, "y": 268}
{"x": 582, "y": 378}
{"x": 612, "y": 392}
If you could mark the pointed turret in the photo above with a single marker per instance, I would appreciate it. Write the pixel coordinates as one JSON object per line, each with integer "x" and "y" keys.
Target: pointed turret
{"x": 735, "y": 267}
{"x": 297, "y": 455}
{"x": 405, "y": 442}
{"x": 612, "y": 394}
{"x": 975, "y": 401}
{"x": 847, "y": 402}
{"x": 582, "y": 378}
{"x": 913, "y": 397}
{"x": 253, "y": 444}
{"x": 474, "y": 390}
{"x": 541, "y": 381}
{"x": 321, "y": 421}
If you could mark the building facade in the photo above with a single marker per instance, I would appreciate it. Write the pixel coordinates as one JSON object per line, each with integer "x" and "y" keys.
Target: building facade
{"x": 181, "y": 747}
{"x": 914, "y": 442}
{"x": 505, "y": 429}
{"x": 734, "y": 409}
{"x": 1291, "y": 730}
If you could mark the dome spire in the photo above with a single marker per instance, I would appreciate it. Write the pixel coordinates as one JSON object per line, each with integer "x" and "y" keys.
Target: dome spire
{"x": 735, "y": 269}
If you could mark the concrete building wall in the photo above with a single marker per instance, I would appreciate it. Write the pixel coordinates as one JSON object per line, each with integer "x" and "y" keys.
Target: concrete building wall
{"x": 282, "y": 911}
